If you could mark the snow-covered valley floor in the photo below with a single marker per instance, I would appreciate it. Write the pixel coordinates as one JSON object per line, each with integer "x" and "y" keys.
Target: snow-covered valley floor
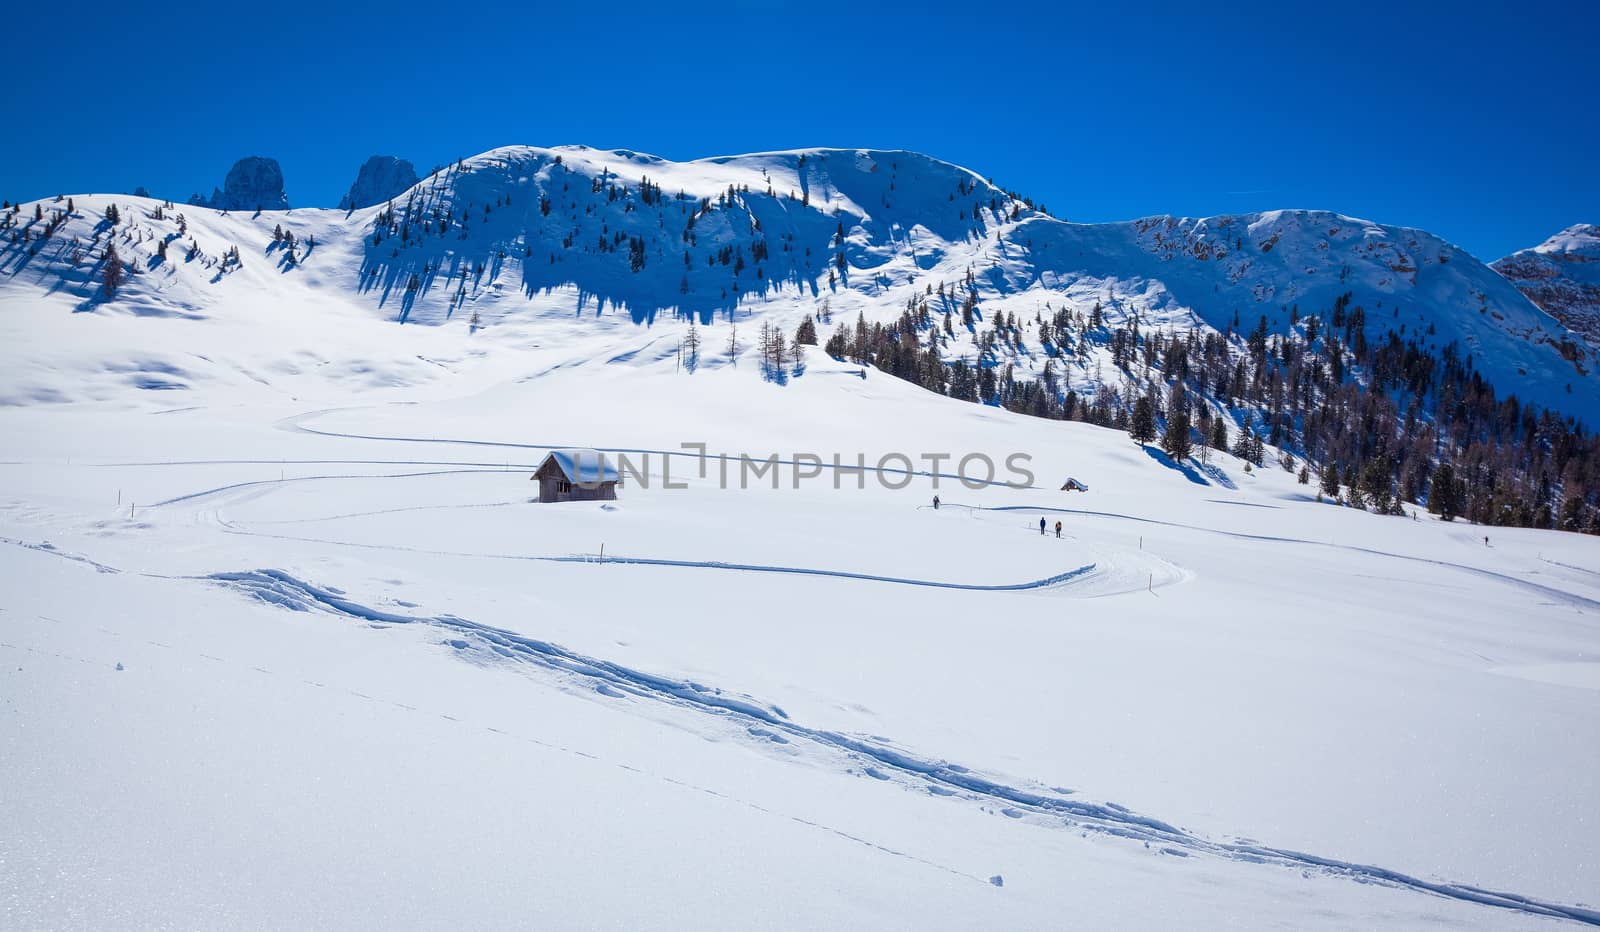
{"x": 276, "y": 662}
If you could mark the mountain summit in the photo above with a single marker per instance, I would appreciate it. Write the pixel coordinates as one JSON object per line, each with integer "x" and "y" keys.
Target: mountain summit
{"x": 253, "y": 183}
{"x": 381, "y": 178}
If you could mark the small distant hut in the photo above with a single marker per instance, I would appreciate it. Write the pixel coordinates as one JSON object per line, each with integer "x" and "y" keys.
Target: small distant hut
{"x": 1073, "y": 485}
{"x": 576, "y": 476}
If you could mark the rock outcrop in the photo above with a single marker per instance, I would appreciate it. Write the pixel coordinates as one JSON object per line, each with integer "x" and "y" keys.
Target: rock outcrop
{"x": 381, "y": 178}
{"x": 254, "y": 183}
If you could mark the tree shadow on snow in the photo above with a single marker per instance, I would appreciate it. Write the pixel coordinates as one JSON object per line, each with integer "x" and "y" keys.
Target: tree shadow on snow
{"x": 1218, "y": 476}
{"x": 1188, "y": 469}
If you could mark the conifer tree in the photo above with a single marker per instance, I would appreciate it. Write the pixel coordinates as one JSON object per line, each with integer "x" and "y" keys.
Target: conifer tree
{"x": 1142, "y": 423}
{"x": 1243, "y": 447}
{"x": 112, "y": 275}
{"x": 1572, "y": 514}
{"x": 1444, "y": 493}
{"x": 1377, "y": 483}
{"x": 691, "y": 348}
{"x": 1176, "y": 441}
{"x": 837, "y": 344}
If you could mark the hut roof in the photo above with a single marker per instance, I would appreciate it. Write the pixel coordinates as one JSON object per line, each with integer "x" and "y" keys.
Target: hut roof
{"x": 587, "y": 467}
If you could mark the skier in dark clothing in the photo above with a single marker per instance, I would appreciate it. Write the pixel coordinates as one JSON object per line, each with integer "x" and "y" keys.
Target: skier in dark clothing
{"x": 936, "y": 503}
{"x": 1041, "y": 525}
{"x": 1058, "y": 530}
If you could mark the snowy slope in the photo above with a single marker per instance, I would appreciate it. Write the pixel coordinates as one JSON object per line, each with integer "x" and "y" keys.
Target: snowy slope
{"x": 1562, "y": 276}
{"x": 284, "y": 644}
{"x": 352, "y": 653}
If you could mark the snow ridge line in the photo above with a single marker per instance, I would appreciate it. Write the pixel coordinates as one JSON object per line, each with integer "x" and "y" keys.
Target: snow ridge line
{"x": 279, "y": 588}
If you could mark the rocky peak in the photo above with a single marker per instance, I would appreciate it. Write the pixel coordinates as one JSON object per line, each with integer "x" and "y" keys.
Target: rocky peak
{"x": 253, "y": 183}
{"x": 380, "y": 179}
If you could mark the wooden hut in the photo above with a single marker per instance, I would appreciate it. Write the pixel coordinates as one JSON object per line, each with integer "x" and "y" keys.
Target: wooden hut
{"x": 576, "y": 476}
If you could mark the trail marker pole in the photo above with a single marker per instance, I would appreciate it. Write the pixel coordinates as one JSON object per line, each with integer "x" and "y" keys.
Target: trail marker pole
{"x": 602, "y": 551}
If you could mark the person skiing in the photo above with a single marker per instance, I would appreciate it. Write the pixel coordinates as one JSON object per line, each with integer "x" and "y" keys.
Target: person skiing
{"x": 936, "y": 503}
{"x": 1058, "y": 530}
{"x": 1041, "y": 525}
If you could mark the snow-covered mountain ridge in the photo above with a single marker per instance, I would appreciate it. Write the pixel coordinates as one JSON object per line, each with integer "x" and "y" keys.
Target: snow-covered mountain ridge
{"x": 520, "y": 234}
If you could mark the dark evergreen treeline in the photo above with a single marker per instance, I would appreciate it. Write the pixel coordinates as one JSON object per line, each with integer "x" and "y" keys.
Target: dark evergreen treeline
{"x": 1382, "y": 416}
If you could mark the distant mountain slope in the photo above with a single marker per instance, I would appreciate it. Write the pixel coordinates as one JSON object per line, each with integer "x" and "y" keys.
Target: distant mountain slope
{"x": 1232, "y": 270}
{"x": 1562, "y": 276}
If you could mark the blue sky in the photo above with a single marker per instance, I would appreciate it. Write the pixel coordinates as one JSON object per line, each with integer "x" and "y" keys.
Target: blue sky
{"x": 1468, "y": 123}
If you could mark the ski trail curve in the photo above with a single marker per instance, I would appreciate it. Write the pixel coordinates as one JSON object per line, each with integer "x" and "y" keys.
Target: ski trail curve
{"x": 1571, "y": 598}
{"x": 1076, "y": 574}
